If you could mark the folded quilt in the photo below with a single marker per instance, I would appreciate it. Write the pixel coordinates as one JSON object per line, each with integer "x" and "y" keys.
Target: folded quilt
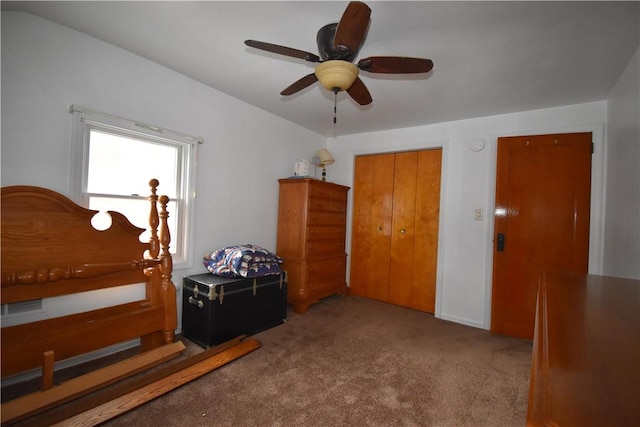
{"x": 242, "y": 261}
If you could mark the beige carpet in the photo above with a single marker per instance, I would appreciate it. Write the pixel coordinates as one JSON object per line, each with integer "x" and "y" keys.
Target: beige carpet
{"x": 356, "y": 362}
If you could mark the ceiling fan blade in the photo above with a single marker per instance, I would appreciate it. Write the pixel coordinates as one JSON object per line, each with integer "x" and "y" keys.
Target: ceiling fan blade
{"x": 282, "y": 50}
{"x": 395, "y": 65}
{"x": 352, "y": 28}
{"x": 359, "y": 92}
{"x": 298, "y": 85}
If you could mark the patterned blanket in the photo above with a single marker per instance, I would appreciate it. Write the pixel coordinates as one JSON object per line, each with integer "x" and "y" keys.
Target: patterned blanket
{"x": 242, "y": 261}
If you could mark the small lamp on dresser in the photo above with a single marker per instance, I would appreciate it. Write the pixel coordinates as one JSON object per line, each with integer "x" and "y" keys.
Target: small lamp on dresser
{"x": 323, "y": 159}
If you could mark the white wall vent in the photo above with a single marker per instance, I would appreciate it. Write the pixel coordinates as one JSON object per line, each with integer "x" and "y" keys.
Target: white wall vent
{"x": 23, "y": 307}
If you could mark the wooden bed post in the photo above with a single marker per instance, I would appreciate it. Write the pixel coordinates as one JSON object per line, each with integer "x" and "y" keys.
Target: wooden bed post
{"x": 154, "y": 243}
{"x": 160, "y": 288}
{"x": 166, "y": 269}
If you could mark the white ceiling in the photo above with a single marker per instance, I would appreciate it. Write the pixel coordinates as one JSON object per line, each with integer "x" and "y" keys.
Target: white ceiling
{"x": 490, "y": 57}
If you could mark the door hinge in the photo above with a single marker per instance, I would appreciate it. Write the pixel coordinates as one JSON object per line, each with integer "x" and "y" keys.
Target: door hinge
{"x": 592, "y": 147}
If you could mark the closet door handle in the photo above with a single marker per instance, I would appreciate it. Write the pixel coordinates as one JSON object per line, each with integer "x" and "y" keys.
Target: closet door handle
{"x": 379, "y": 228}
{"x": 403, "y": 231}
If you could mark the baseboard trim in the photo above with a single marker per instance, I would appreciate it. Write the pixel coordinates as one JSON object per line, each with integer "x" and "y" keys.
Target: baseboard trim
{"x": 462, "y": 320}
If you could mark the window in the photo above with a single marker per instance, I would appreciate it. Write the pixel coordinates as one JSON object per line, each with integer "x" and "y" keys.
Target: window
{"x": 113, "y": 160}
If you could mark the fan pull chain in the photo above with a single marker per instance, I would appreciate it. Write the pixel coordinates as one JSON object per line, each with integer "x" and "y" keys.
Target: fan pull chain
{"x": 335, "y": 105}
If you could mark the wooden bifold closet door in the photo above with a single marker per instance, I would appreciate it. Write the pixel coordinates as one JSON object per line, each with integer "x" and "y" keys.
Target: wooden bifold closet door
{"x": 394, "y": 240}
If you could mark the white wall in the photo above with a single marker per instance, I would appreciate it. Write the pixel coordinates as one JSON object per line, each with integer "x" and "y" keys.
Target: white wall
{"x": 465, "y": 247}
{"x": 622, "y": 217}
{"x": 47, "y": 67}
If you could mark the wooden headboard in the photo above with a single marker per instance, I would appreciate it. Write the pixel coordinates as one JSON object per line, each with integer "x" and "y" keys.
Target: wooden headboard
{"x": 50, "y": 248}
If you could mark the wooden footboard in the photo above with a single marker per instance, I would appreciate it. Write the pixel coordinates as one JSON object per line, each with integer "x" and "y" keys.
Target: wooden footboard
{"x": 50, "y": 248}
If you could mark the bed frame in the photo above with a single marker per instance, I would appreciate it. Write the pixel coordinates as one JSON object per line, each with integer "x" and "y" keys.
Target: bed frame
{"x": 50, "y": 248}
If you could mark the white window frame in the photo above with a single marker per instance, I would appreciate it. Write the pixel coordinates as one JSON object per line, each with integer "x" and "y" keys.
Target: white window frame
{"x": 85, "y": 120}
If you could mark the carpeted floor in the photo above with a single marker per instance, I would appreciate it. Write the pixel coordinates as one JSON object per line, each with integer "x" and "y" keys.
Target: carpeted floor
{"x": 356, "y": 362}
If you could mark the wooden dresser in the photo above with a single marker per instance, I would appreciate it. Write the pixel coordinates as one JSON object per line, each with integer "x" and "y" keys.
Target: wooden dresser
{"x": 586, "y": 353}
{"x": 312, "y": 217}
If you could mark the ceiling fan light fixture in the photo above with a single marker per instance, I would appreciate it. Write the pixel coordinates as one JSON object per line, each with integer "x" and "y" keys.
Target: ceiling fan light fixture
{"x": 338, "y": 45}
{"x": 336, "y": 75}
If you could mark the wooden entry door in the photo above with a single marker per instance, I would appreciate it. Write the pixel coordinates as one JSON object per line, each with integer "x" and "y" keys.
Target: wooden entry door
{"x": 543, "y": 192}
{"x": 395, "y": 227}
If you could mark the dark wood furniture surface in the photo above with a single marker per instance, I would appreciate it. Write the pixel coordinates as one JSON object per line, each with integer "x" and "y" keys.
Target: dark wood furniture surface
{"x": 586, "y": 356}
{"x": 312, "y": 218}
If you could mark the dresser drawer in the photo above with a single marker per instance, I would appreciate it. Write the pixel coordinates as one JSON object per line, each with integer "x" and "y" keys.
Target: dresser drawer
{"x": 317, "y": 270}
{"x": 327, "y": 192}
{"x": 325, "y": 247}
{"x": 324, "y": 287}
{"x": 327, "y": 218}
{"x": 316, "y": 204}
{"x": 319, "y": 232}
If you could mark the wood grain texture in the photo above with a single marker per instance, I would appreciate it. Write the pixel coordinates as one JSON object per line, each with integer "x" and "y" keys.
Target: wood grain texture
{"x": 371, "y": 228}
{"x": 135, "y": 398}
{"x": 127, "y": 385}
{"x": 403, "y": 228}
{"x": 33, "y": 403}
{"x": 44, "y": 229}
{"x": 427, "y": 225}
{"x": 312, "y": 218}
{"x": 543, "y": 188}
{"x": 586, "y": 357}
{"x": 396, "y": 211}
{"x": 47, "y": 373}
{"x": 49, "y": 248}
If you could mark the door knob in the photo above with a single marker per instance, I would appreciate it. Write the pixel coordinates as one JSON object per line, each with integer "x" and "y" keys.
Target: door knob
{"x": 379, "y": 228}
{"x": 402, "y": 231}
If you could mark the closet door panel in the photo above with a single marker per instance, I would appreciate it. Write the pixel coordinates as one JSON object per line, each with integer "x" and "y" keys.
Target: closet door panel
{"x": 425, "y": 250}
{"x": 372, "y": 210}
{"x": 403, "y": 228}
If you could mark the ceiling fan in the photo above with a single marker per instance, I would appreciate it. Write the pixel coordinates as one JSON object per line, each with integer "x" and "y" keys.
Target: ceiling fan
{"x": 338, "y": 45}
